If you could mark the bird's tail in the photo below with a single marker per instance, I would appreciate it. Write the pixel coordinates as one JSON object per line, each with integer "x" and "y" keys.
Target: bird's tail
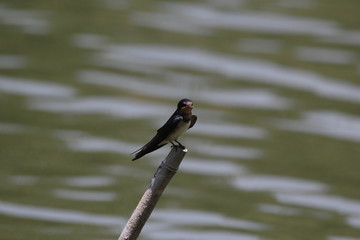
{"x": 138, "y": 153}
{"x": 148, "y": 148}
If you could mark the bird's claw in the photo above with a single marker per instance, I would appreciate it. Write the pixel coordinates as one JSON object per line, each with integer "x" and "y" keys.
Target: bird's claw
{"x": 179, "y": 145}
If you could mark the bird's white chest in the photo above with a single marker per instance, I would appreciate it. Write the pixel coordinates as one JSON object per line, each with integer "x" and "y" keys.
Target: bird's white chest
{"x": 180, "y": 129}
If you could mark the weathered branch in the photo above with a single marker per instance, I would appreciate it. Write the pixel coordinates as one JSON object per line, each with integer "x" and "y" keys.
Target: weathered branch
{"x": 162, "y": 177}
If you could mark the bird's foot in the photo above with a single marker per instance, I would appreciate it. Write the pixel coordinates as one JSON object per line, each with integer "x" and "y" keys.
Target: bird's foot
{"x": 183, "y": 148}
{"x": 180, "y": 145}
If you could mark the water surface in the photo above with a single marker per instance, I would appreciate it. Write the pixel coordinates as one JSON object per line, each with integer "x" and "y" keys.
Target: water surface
{"x": 275, "y": 151}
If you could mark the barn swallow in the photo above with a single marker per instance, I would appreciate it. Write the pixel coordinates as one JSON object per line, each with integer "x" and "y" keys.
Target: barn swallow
{"x": 181, "y": 120}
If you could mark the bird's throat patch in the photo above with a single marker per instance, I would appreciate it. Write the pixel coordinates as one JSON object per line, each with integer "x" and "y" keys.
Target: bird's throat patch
{"x": 185, "y": 110}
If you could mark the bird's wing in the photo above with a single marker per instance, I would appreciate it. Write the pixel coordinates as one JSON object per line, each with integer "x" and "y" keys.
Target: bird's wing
{"x": 169, "y": 126}
{"x": 193, "y": 121}
{"x": 162, "y": 133}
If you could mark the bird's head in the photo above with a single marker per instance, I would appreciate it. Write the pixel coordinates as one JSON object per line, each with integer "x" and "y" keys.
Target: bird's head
{"x": 185, "y": 106}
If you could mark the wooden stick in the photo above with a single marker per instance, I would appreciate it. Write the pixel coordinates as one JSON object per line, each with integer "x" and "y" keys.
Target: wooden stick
{"x": 162, "y": 177}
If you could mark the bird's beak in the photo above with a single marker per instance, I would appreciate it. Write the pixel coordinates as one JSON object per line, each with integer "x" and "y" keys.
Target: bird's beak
{"x": 186, "y": 109}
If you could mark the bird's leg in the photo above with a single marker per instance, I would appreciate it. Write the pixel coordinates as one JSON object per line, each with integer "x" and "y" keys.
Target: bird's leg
{"x": 180, "y": 145}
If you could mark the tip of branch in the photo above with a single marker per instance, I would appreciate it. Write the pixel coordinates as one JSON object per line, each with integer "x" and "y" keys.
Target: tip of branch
{"x": 182, "y": 148}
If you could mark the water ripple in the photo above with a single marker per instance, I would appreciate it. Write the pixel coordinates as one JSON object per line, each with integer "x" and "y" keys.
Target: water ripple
{"x": 211, "y": 168}
{"x": 274, "y": 183}
{"x": 202, "y": 218}
{"x": 117, "y": 107}
{"x": 225, "y": 151}
{"x": 228, "y": 130}
{"x": 11, "y": 128}
{"x": 326, "y": 123}
{"x": 197, "y": 19}
{"x": 201, "y": 235}
{"x": 251, "y": 98}
{"x": 327, "y": 202}
{"x": 89, "y": 181}
{"x": 240, "y": 69}
{"x": 58, "y": 215}
{"x": 81, "y": 195}
{"x": 325, "y": 55}
{"x": 34, "y": 88}
{"x": 79, "y": 141}
{"x": 12, "y": 61}
{"x": 31, "y": 21}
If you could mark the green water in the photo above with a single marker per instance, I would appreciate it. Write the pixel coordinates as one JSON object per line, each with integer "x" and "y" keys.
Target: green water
{"x": 275, "y": 151}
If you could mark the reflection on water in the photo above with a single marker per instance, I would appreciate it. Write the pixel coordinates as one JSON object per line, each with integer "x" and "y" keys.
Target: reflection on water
{"x": 32, "y": 22}
{"x": 201, "y": 235}
{"x": 58, "y": 215}
{"x": 304, "y": 4}
{"x": 225, "y": 151}
{"x": 130, "y": 83}
{"x": 229, "y": 130}
{"x": 348, "y": 207}
{"x": 261, "y": 74}
{"x": 172, "y": 218}
{"x": 22, "y": 180}
{"x": 194, "y": 18}
{"x": 10, "y": 128}
{"x": 120, "y": 170}
{"x": 245, "y": 98}
{"x": 89, "y": 181}
{"x": 34, "y": 88}
{"x": 257, "y": 45}
{"x": 55, "y": 230}
{"x": 82, "y": 195}
{"x": 345, "y": 37}
{"x": 277, "y": 184}
{"x": 193, "y": 218}
{"x": 234, "y": 67}
{"x": 200, "y": 218}
{"x": 327, "y": 123}
{"x": 354, "y": 221}
{"x": 323, "y": 55}
{"x": 328, "y": 202}
{"x": 90, "y": 41}
{"x": 342, "y": 238}
{"x": 251, "y": 98}
{"x": 79, "y": 141}
{"x": 279, "y": 210}
{"x": 199, "y": 19}
{"x": 211, "y": 168}
{"x": 117, "y": 107}
{"x": 12, "y": 61}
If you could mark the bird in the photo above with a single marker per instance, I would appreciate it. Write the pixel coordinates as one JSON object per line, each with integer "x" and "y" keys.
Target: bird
{"x": 179, "y": 122}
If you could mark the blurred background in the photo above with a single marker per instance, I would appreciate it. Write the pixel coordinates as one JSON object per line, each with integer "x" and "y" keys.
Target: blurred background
{"x": 275, "y": 152}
